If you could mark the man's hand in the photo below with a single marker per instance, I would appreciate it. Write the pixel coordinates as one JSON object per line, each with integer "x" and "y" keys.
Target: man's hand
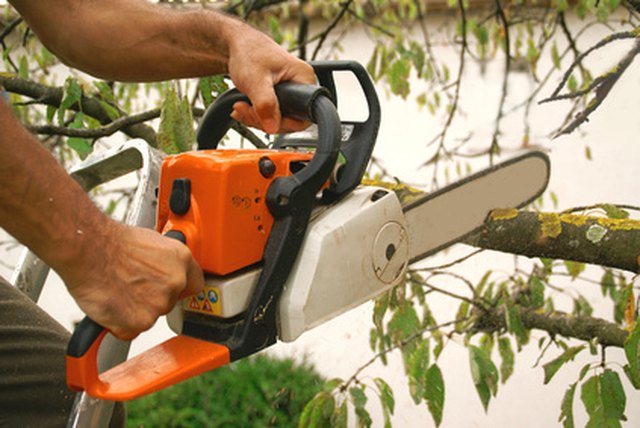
{"x": 135, "y": 277}
{"x": 135, "y": 40}
{"x": 256, "y": 65}
{"x": 123, "y": 277}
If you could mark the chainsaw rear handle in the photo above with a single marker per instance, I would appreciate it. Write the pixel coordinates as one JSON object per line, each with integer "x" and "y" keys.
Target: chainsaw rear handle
{"x": 134, "y": 378}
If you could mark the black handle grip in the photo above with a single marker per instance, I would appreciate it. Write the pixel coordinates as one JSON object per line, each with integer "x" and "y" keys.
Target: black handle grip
{"x": 358, "y": 138}
{"x": 83, "y": 337}
{"x": 296, "y": 100}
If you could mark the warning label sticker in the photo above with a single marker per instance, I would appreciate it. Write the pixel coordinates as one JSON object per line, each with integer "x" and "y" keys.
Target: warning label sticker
{"x": 206, "y": 302}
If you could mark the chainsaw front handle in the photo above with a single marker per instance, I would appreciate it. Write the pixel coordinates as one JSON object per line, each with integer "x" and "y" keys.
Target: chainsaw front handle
{"x": 296, "y": 100}
{"x": 171, "y": 363}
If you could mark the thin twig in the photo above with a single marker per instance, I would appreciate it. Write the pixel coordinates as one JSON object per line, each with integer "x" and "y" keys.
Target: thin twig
{"x": 493, "y": 149}
{"x": 103, "y": 131}
{"x": 325, "y": 33}
{"x": 399, "y": 345}
{"x": 605, "y": 41}
{"x": 602, "y": 91}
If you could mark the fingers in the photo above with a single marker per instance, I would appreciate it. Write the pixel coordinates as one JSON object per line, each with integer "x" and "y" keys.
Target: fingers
{"x": 195, "y": 280}
{"x": 265, "y": 105}
{"x": 139, "y": 279}
{"x": 244, "y": 113}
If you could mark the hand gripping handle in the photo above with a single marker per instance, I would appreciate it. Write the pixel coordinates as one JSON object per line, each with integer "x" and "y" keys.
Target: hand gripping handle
{"x": 173, "y": 361}
{"x": 300, "y": 101}
{"x": 295, "y": 99}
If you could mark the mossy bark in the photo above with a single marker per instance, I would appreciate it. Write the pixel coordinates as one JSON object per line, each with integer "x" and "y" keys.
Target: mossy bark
{"x": 595, "y": 240}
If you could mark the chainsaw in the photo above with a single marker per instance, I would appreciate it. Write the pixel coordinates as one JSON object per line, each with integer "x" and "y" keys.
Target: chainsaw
{"x": 287, "y": 236}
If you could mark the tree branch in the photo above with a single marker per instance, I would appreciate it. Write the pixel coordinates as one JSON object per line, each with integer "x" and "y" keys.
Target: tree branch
{"x": 604, "y": 85}
{"x": 557, "y": 323}
{"x": 325, "y": 33}
{"x": 104, "y": 131}
{"x": 588, "y": 239}
{"x": 52, "y": 96}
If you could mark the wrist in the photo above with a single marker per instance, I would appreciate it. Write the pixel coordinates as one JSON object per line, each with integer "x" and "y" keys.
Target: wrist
{"x": 85, "y": 246}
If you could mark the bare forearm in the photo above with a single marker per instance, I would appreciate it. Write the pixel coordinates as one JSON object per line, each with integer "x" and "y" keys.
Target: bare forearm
{"x": 133, "y": 40}
{"x": 41, "y": 205}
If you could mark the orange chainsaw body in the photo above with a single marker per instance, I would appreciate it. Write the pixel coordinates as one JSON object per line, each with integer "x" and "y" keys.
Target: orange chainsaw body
{"x": 222, "y": 211}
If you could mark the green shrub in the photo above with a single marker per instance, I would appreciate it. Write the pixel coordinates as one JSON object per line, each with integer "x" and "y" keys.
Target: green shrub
{"x": 253, "y": 392}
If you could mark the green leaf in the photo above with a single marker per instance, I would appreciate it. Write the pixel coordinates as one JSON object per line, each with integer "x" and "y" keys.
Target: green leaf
{"x": 572, "y": 83}
{"x": 111, "y": 111}
{"x": 404, "y": 323}
{"x": 175, "y": 133}
{"x": 23, "y": 67}
{"x": 386, "y": 399}
{"x": 72, "y": 95}
{"x": 332, "y": 384}
{"x": 486, "y": 343}
{"x": 483, "y": 281}
{"x": 537, "y": 292}
{"x": 463, "y": 310}
{"x": 604, "y": 400}
{"x": 555, "y": 56}
{"x": 105, "y": 91}
{"x": 379, "y": 309}
{"x": 358, "y": 396}
{"x": 340, "y": 417}
{"x": 484, "y": 375}
{"x": 552, "y": 367}
{"x": 322, "y": 410}
{"x": 373, "y": 62}
{"x": 632, "y": 351}
{"x": 359, "y": 399}
{"x": 51, "y": 111}
{"x": 583, "y": 371}
{"x": 434, "y": 393}
{"x": 607, "y": 282}
{"x": 621, "y": 300}
{"x": 386, "y": 394}
{"x": 416, "y": 366}
{"x": 514, "y": 323}
{"x": 614, "y": 399}
{"x": 210, "y": 85}
{"x": 80, "y": 145}
{"x": 566, "y": 408}
{"x": 582, "y": 307}
{"x": 574, "y": 268}
{"x": 399, "y": 77}
{"x": 615, "y": 212}
{"x": 508, "y": 358}
{"x": 274, "y": 26}
{"x": 305, "y": 417}
{"x": 592, "y": 400}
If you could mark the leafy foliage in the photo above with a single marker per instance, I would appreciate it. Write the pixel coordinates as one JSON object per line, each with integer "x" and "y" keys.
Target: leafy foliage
{"x": 253, "y": 392}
